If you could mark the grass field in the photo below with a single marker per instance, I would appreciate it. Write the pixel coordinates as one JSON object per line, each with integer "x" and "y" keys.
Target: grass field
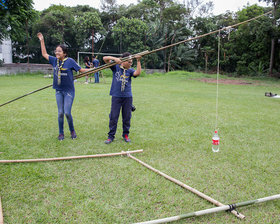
{"x": 173, "y": 124}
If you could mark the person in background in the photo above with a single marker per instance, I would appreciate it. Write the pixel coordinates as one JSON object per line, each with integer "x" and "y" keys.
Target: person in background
{"x": 96, "y": 63}
{"x": 121, "y": 94}
{"x": 88, "y": 65}
{"x": 63, "y": 83}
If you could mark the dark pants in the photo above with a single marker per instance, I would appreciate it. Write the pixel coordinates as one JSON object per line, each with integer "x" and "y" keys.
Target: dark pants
{"x": 118, "y": 103}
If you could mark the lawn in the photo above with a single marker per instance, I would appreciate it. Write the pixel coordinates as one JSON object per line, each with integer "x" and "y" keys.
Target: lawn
{"x": 173, "y": 123}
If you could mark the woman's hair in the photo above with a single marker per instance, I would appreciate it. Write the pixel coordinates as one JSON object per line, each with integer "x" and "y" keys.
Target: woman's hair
{"x": 86, "y": 59}
{"x": 64, "y": 49}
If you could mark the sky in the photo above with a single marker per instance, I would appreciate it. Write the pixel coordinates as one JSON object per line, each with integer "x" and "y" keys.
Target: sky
{"x": 220, "y": 6}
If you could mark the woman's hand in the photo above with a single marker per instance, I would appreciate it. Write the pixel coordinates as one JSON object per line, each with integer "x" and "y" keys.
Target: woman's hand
{"x": 40, "y": 36}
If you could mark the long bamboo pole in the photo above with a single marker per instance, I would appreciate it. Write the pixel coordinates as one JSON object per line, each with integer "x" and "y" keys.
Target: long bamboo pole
{"x": 193, "y": 190}
{"x": 211, "y": 210}
{"x": 1, "y": 213}
{"x": 71, "y": 157}
{"x": 143, "y": 54}
{"x": 91, "y": 71}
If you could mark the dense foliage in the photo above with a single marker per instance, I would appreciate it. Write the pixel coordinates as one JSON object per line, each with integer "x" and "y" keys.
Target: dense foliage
{"x": 249, "y": 49}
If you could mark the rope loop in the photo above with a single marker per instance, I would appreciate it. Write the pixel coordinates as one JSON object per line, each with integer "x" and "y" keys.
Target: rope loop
{"x": 232, "y": 207}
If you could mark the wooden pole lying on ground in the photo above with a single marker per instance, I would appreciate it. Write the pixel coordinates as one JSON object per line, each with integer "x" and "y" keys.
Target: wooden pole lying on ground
{"x": 71, "y": 157}
{"x": 200, "y": 194}
{"x": 211, "y": 210}
{"x": 1, "y": 213}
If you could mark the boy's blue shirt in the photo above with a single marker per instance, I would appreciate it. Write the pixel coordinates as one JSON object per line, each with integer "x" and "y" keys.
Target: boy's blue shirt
{"x": 95, "y": 62}
{"x": 67, "y": 77}
{"x": 120, "y": 79}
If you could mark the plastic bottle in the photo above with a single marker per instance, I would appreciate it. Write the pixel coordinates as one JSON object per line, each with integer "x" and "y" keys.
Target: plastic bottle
{"x": 215, "y": 142}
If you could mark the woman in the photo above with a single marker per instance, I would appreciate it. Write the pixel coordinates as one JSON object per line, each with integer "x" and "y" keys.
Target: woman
{"x": 63, "y": 83}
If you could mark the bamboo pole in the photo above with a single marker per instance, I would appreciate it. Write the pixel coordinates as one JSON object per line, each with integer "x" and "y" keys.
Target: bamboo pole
{"x": 144, "y": 53}
{"x": 193, "y": 190}
{"x": 211, "y": 210}
{"x": 1, "y": 213}
{"x": 94, "y": 70}
{"x": 71, "y": 157}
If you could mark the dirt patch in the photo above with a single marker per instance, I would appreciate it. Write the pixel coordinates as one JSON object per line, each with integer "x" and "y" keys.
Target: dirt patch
{"x": 226, "y": 81}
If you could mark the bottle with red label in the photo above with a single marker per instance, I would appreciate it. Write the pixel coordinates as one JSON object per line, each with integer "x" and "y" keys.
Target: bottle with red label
{"x": 215, "y": 142}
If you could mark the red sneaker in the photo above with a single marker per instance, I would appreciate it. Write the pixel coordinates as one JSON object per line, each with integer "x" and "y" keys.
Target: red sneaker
{"x": 126, "y": 138}
{"x": 108, "y": 141}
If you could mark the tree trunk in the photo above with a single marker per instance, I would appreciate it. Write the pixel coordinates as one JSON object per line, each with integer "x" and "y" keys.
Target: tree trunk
{"x": 92, "y": 42}
{"x": 271, "y": 56}
{"x": 27, "y": 40}
{"x": 170, "y": 53}
{"x": 206, "y": 62}
{"x": 272, "y": 50}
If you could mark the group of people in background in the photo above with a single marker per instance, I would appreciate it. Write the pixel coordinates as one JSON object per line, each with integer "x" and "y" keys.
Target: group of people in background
{"x": 94, "y": 63}
{"x": 63, "y": 83}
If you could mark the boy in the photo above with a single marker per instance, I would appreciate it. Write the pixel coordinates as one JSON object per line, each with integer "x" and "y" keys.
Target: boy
{"x": 121, "y": 94}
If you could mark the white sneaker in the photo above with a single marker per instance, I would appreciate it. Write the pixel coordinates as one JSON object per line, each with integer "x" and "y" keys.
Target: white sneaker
{"x": 86, "y": 82}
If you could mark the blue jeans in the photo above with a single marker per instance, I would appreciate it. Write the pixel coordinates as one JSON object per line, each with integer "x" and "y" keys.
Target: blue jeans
{"x": 64, "y": 100}
{"x": 96, "y": 77}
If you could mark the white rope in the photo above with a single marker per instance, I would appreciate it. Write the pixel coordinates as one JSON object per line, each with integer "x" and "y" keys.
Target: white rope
{"x": 217, "y": 86}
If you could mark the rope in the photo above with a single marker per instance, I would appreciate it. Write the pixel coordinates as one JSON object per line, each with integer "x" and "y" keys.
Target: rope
{"x": 147, "y": 53}
{"x": 218, "y": 72}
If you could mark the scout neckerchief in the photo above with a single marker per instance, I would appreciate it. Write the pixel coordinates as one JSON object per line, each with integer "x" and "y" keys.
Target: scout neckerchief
{"x": 123, "y": 78}
{"x": 59, "y": 70}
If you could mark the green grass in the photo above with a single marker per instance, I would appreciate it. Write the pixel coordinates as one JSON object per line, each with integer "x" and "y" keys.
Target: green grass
{"x": 173, "y": 124}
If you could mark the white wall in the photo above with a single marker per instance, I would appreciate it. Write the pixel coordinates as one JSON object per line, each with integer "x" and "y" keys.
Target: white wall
{"x": 6, "y": 51}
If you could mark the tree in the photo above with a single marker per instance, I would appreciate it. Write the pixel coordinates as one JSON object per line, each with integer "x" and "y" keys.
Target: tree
{"x": 249, "y": 43}
{"x": 275, "y": 4}
{"x": 87, "y": 26}
{"x": 129, "y": 34}
{"x": 14, "y": 14}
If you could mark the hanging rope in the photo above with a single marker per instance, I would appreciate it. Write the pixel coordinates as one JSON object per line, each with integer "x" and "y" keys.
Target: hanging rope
{"x": 218, "y": 72}
{"x": 144, "y": 53}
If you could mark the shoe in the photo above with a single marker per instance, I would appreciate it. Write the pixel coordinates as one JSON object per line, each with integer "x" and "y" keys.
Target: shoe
{"x": 61, "y": 137}
{"x": 73, "y": 135}
{"x": 126, "y": 138}
{"x": 86, "y": 82}
{"x": 108, "y": 141}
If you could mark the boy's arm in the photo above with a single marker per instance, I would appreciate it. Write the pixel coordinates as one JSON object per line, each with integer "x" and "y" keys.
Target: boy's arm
{"x": 138, "y": 69}
{"x": 107, "y": 59}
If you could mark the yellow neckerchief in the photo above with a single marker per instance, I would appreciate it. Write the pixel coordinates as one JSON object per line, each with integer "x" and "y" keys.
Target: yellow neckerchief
{"x": 123, "y": 78}
{"x": 59, "y": 70}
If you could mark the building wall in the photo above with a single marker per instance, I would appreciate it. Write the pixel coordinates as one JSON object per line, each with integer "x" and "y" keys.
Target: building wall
{"x": 15, "y": 68}
{"x": 6, "y": 51}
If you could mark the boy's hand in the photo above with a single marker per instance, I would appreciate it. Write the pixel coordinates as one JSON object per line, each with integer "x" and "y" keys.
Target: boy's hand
{"x": 117, "y": 60}
{"x": 138, "y": 57}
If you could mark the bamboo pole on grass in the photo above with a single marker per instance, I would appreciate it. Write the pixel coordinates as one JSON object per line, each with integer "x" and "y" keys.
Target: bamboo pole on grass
{"x": 193, "y": 190}
{"x": 1, "y": 213}
{"x": 211, "y": 210}
{"x": 71, "y": 157}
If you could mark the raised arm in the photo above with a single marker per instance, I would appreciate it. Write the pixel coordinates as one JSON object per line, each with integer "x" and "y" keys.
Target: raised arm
{"x": 43, "y": 47}
{"x": 138, "y": 69}
{"x": 107, "y": 59}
